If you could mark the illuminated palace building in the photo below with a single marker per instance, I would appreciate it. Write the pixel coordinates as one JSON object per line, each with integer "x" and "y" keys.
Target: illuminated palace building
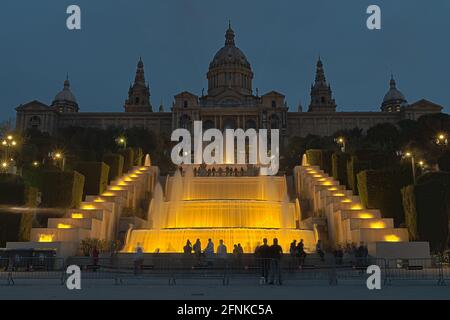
{"x": 236, "y": 206}
{"x": 230, "y": 102}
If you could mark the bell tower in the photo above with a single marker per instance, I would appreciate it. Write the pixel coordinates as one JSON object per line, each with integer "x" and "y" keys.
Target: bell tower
{"x": 139, "y": 93}
{"x": 321, "y": 94}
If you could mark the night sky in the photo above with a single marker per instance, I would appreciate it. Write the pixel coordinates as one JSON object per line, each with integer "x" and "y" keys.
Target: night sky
{"x": 178, "y": 38}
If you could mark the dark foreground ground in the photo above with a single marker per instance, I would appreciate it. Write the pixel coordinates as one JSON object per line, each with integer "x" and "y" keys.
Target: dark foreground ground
{"x": 212, "y": 290}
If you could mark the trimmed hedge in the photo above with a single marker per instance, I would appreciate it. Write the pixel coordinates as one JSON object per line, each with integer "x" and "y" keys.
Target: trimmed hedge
{"x": 427, "y": 209}
{"x": 138, "y": 156}
{"x": 15, "y": 227}
{"x": 339, "y": 167}
{"x": 115, "y": 163}
{"x": 62, "y": 189}
{"x": 96, "y": 177}
{"x": 381, "y": 189}
{"x": 355, "y": 166}
{"x": 444, "y": 161}
{"x": 128, "y": 159}
{"x": 366, "y": 160}
{"x": 321, "y": 158}
{"x": 14, "y": 192}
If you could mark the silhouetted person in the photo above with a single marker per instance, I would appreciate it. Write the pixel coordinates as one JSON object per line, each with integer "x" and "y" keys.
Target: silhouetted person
{"x": 222, "y": 250}
{"x": 240, "y": 249}
{"x": 300, "y": 251}
{"x": 319, "y": 250}
{"x": 276, "y": 253}
{"x": 264, "y": 259}
{"x": 209, "y": 252}
{"x": 95, "y": 254}
{"x": 188, "y": 247}
{"x": 339, "y": 254}
{"x": 293, "y": 248}
{"x": 138, "y": 259}
{"x": 292, "y": 253}
{"x": 198, "y": 248}
{"x": 361, "y": 254}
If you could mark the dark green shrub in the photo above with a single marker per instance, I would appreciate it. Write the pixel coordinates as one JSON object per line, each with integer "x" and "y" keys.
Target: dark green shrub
{"x": 95, "y": 177}
{"x": 321, "y": 158}
{"x": 15, "y": 191}
{"x": 339, "y": 167}
{"x": 62, "y": 189}
{"x": 128, "y": 159}
{"x": 381, "y": 189}
{"x": 444, "y": 161}
{"x": 355, "y": 166}
{"x": 138, "y": 156}
{"x": 16, "y": 226}
{"x": 427, "y": 209}
{"x": 115, "y": 163}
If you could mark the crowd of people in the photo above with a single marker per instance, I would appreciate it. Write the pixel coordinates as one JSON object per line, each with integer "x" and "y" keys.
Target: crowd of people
{"x": 268, "y": 257}
{"x": 210, "y": 171}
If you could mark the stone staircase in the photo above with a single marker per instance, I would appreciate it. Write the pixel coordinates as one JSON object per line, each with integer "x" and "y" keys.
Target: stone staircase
{"x": 347, "y": 219}
{"x": 96, "y": 218}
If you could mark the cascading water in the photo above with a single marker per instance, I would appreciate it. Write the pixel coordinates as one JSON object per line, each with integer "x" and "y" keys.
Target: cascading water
{"x": 156, "y": 209}
{"x": 187, "y": 182}
{"x": 176, "y": 190}
{"x": 148, "y": 161}
{"x": 305, "y": 160}
{"x": 236, "y": 209}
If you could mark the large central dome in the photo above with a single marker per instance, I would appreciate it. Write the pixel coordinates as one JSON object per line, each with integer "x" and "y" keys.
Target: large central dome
{"x": 230, "y": 73}
{"x": 230, "y": 55}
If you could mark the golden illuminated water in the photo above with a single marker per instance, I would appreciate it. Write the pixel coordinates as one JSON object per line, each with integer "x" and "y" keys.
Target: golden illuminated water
{"x": 234, "y": 209}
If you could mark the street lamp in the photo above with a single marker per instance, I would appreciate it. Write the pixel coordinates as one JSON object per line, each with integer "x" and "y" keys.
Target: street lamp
{"x": 58, "y": 156}
{"x": 341, "y": 141}
{"x": 8, "y": 143}
{"x": 122, "y": 141}
{"x": 410, "y": 155}
{"x": 442, "y": 139}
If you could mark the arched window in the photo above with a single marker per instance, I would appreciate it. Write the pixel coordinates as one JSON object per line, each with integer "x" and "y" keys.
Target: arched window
{"x": 185, "y": 104}
{"x": 274, "y": 104}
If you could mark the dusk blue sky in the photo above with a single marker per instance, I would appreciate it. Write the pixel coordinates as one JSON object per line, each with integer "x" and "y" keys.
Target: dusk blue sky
{"x": 178, "y": 38}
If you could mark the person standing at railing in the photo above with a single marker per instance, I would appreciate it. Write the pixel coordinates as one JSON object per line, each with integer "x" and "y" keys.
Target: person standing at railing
{"x": 187, "y": 249}
{"x": 263, "y": 256}
{"x": 138, "y": 259}
{"x": 198, "y": 249}
{"x": 222, "y": 250}
{"x": 222, "y": 253}
{"x": 319, "y": 250}
{"x": 292, "y": 253}
{"x": 301, "y": 254}
{"x": 95, "y": 254}
{"x": 209, "y": 252}
{"x": 276, "y": 252}
{"x": 339, "y": 255}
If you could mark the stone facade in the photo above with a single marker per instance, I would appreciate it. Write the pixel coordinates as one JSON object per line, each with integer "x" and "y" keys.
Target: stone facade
{"x": 229, "y": 103}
